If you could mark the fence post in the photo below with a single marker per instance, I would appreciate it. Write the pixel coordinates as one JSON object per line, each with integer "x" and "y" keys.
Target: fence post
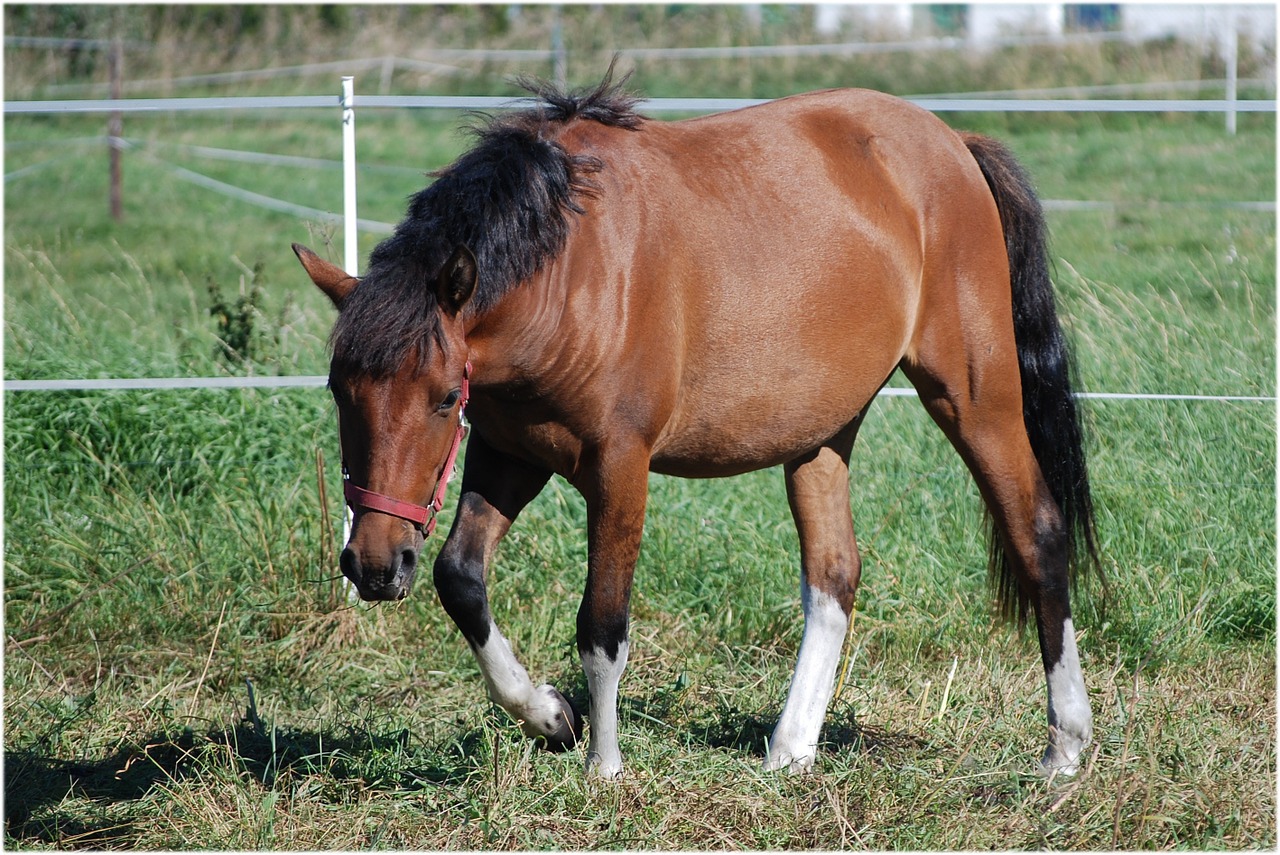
{"x": 115, "y": 130}
{"x": 1231, "y": 56}
{"x": 350, "y": 246}
{"x": 351, "y": 249}
{"x": 559, "y": 58}
{"x": 388, "y": 69}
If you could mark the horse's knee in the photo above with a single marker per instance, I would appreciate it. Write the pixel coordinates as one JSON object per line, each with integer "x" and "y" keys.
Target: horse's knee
{"x": 460, "y": 586}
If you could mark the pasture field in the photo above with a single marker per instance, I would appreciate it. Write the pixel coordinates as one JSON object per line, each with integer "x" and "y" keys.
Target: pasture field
{"x": 183, "y": 670}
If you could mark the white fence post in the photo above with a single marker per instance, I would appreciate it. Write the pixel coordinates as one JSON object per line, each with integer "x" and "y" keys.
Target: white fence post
{"x": 1231, "y": 57}
{"x": 351, "y": 249}
{"x": 350, "y": 242}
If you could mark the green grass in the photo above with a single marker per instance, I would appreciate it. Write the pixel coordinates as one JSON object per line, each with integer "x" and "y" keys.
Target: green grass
{"x": 165, "y": 551}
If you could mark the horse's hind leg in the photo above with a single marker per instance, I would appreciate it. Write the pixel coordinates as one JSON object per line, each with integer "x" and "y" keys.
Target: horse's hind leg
{"x": 494, "y": 490}
{"x": 818, "y": 491}
{"x": 974, "y": 396}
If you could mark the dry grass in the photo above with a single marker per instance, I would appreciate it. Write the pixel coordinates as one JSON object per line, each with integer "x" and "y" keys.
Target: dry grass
{"x": 1183, "y": 755}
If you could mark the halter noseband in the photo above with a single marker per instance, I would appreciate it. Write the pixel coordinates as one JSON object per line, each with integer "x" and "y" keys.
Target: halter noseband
{"x": 424, "y": 517}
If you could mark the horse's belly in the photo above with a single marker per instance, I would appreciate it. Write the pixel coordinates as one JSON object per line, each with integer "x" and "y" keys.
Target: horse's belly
{"x": 732, "y": 434}
{"x": 763, "y": 386}
{"x": 708, "y": 457}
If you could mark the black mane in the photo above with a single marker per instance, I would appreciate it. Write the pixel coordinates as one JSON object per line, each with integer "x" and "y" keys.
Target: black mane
{"x": 508, "y": 199}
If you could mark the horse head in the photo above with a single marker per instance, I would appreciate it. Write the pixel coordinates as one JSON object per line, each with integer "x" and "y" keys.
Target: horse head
{"x": 400, "y": 415}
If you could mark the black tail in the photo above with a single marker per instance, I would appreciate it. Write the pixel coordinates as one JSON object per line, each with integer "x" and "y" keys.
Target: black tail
{"x": 1048, "y": 406}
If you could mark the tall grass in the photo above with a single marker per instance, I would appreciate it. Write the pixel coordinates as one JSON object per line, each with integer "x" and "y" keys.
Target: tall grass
{"x": 183, "y": 670}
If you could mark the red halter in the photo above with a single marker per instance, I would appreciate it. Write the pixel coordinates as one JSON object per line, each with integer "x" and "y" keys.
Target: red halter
{"x": 423, "y": 517}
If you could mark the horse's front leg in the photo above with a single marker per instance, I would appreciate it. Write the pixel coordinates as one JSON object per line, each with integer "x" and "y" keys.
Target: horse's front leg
{"x": 615, "y": 486}
{"x": 495, "y": 488}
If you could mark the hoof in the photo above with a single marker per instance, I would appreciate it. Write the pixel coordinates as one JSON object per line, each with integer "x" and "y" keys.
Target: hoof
{"x": 1062, "y": 756}
{"x": 1054, "y": 764}
{"x": 785, "y": 762}
{"x": 567, "y": 729}
{"x": 601, "y": 769}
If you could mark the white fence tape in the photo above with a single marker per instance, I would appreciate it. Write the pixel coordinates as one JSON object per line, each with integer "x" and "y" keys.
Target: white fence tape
{"x": 339, "y": 66}
{"x": 263, "y": 158}
{"x": 1087, "y": 205}
{"x": 161, "y": 383}
{"x": 270, "y": 203}
{"x": 211, "y": 153}
{"x": 1112, "y": 89}
{"x": 900, "y": 392}
{"x": 319, "y": 380}
{"x": 658, "y": 105}
{"x": 170, "y": 105}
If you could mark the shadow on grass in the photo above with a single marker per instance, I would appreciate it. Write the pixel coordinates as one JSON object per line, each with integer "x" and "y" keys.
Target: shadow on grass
{"x": 72, "y": 804}
{"x": 732, "y": 728}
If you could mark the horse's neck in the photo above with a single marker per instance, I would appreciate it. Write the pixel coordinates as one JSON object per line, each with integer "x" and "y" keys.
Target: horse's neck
{"x": 521, "y": 333}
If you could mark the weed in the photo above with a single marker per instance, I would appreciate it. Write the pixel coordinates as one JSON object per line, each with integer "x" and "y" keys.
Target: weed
{"x": 237, "y": 324}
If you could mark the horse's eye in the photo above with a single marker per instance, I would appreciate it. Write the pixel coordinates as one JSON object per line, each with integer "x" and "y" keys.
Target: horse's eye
{"x": 449, "y": 401}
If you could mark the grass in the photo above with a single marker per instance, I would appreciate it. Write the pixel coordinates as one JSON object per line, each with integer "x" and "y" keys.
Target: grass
{"x": 183, "y": 671}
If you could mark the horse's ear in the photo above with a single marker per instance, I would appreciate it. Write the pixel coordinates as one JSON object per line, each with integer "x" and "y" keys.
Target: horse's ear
{"x": 457, "y": 280}
{"x": 329, "y": 278}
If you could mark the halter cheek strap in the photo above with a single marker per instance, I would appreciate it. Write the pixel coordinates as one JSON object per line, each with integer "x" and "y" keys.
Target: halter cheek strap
{"x": 424, "y": 517}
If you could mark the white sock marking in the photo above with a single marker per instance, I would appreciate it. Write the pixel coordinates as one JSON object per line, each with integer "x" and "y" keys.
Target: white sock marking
{"x": 1070, "y": 718}
{"x": 537, "y": 709}
{"x": 794, "y": 743}
{"x": 604, "y": 758}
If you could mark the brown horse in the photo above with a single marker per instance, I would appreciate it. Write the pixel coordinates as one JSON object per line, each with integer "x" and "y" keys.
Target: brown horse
{"x": 702, "y": 298}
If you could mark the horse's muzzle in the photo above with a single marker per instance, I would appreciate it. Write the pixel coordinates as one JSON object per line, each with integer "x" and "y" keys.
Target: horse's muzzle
{"x": 392, "y": 582}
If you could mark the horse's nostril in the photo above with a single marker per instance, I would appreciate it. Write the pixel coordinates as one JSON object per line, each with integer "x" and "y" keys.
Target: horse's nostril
{"x": 402, "y": 571}
{"x": 350, "y": 564}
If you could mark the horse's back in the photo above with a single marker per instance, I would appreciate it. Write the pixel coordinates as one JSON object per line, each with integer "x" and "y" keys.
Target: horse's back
{"x": 855, "y": 139}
